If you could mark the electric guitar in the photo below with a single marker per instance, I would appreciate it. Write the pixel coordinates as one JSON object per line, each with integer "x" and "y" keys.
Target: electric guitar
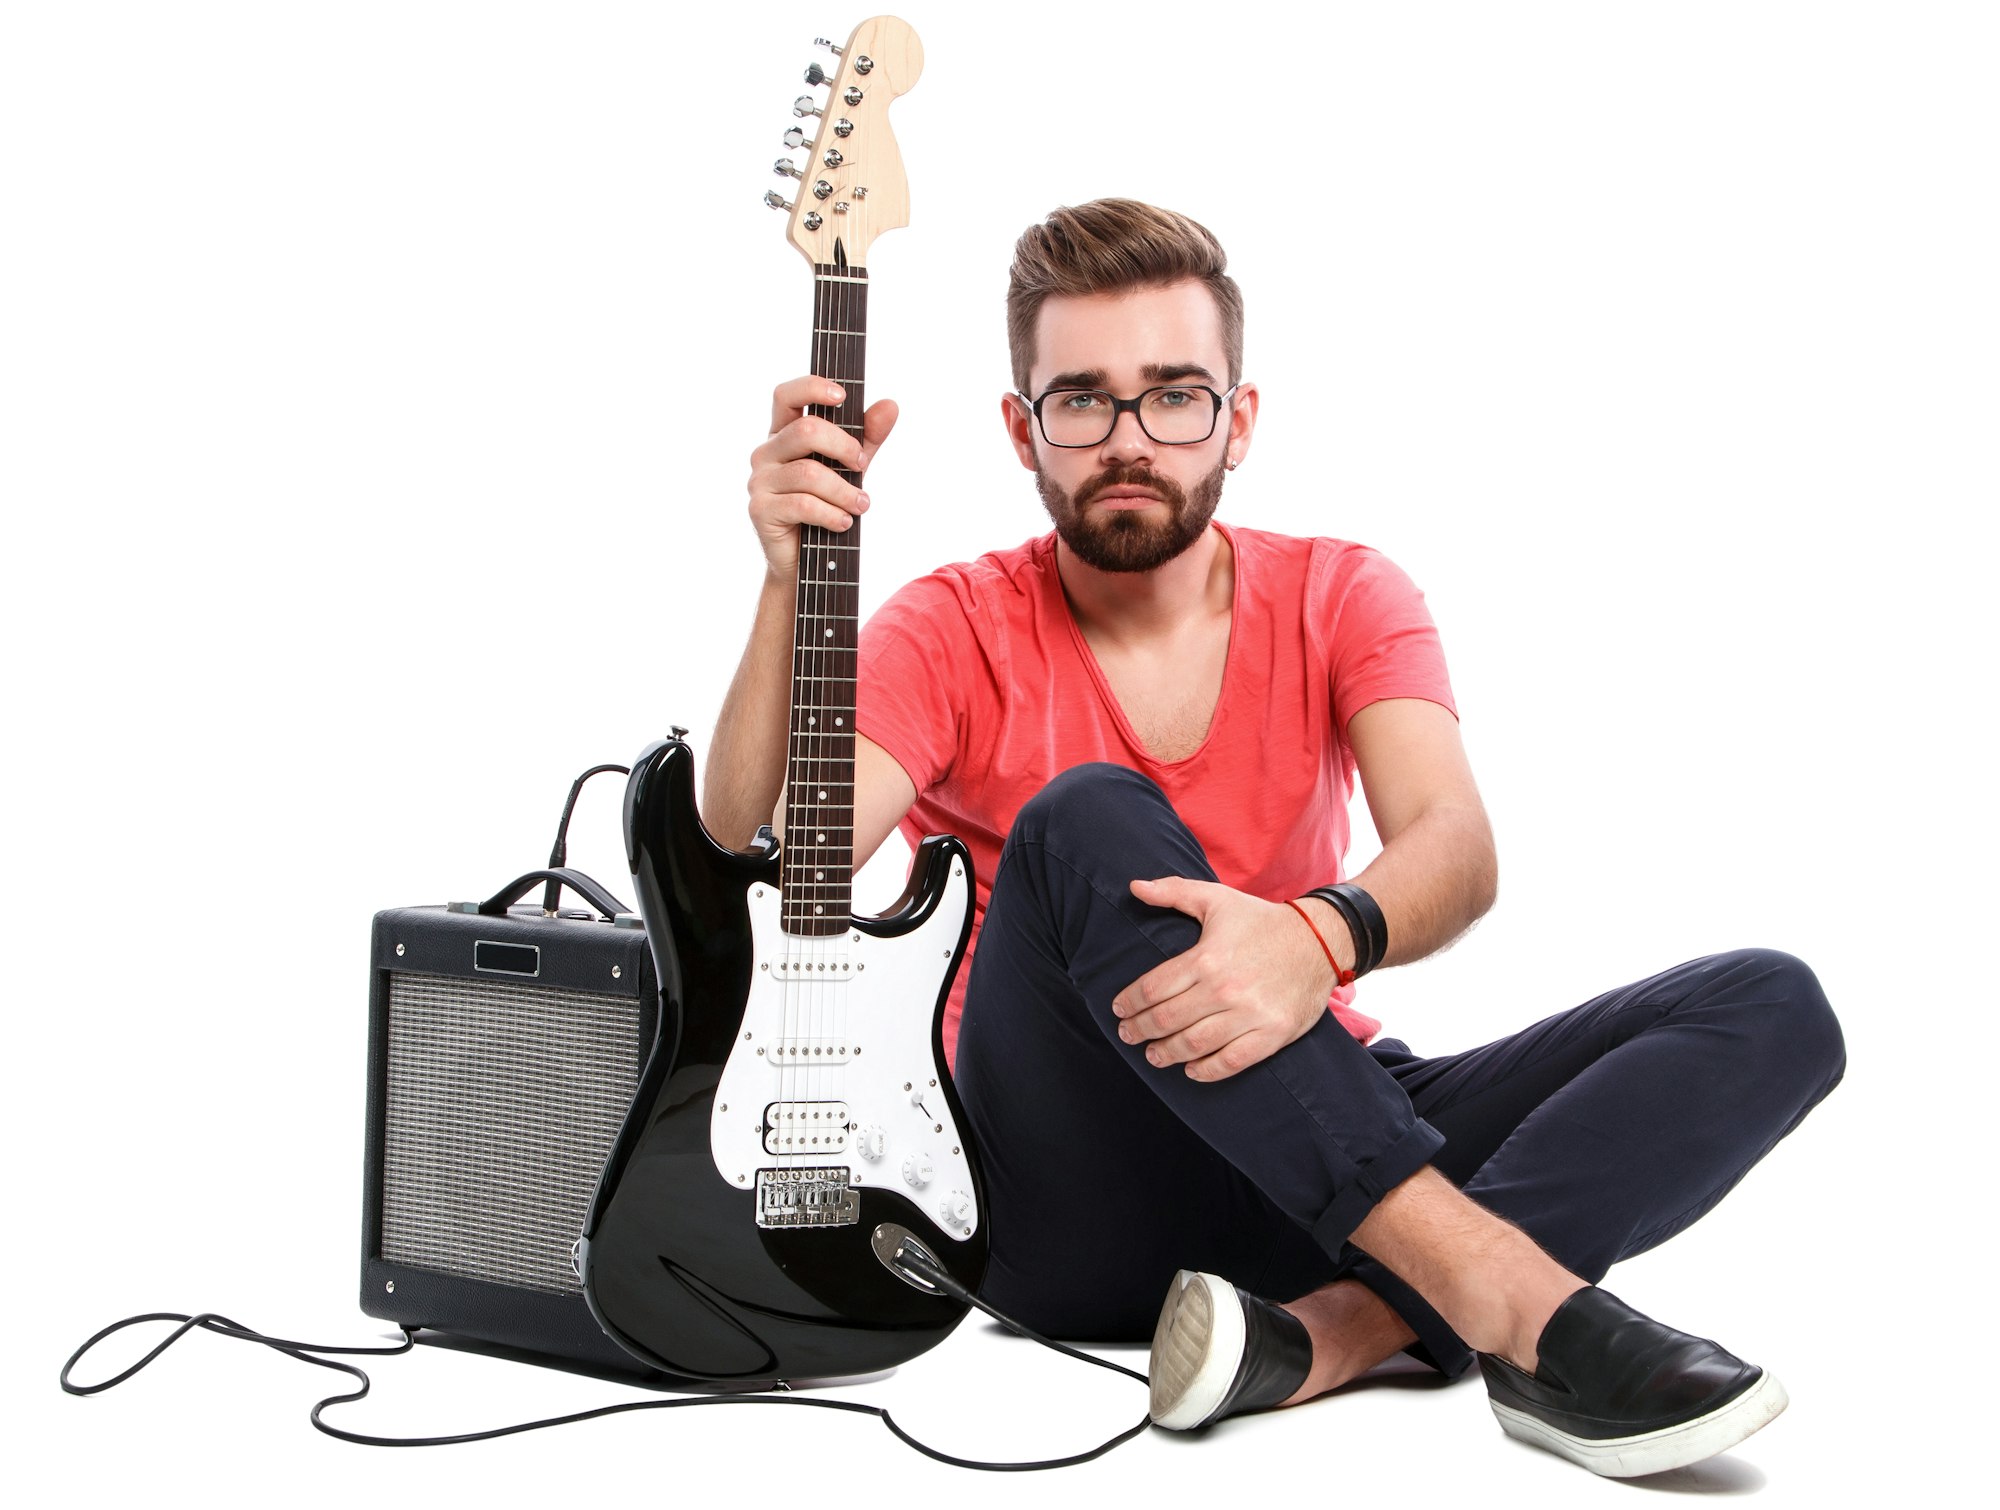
{"x": 796, "y": 1121}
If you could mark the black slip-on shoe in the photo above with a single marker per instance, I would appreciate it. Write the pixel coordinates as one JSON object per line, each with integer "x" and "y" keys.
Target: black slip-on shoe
{"x": 1623, "y": 1395}
{"x": 1219, "y": 1352}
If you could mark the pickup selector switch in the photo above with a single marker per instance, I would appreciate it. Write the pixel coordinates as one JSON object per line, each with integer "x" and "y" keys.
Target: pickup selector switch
{"x": 917, "y": 1170}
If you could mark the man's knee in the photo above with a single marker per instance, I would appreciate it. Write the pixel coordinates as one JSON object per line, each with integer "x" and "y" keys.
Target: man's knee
{"x": 1086, "y": 801}
{"x": 1787, "y": 1014}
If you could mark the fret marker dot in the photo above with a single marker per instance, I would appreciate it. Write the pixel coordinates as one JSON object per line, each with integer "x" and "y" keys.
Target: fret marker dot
{"x": 829, "y": 566}
{"x": 838, "y": 722}
{"x": 817, "y": 908}
{"x": 819, "y": 875}
{"x": 829, "y": 634}
{"x": 820, "y": 838}
{"x": 822, "y": 796}
{"x": 812, "y": 720}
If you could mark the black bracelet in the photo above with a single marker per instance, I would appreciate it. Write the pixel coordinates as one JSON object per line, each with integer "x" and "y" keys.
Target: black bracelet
{"x": 1365, "y": 922}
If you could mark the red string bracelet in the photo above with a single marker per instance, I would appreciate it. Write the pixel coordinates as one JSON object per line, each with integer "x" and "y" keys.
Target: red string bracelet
{"x": 1345, "y": 977}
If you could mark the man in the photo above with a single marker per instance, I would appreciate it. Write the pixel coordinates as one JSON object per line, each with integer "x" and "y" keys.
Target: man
{"x": 1161, "y": 716}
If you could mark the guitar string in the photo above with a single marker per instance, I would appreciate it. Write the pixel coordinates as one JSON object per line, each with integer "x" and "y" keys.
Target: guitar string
{"x": 795, "y": 834}
{"x": 855, "y": 317}
{"x": 853, "y": 379}
{"x": 826, "y": 367}
{"x": 850, "y": 377}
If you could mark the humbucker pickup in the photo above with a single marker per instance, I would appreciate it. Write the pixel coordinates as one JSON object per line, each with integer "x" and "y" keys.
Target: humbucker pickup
{"x": 805, "y": 1127}
{"x": 806, "y": 1198}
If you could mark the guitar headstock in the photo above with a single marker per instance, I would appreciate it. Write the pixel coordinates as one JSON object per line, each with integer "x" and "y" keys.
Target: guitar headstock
{"x": 851, "y": 187}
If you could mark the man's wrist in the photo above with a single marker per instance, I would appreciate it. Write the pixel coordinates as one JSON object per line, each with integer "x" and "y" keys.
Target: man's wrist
{"x": 1332, "y": 930}
{"x": 1363, "y": 921}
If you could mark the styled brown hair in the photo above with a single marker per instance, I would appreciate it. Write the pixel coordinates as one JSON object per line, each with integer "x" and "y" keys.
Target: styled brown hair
{"x": 1107, "y": 246}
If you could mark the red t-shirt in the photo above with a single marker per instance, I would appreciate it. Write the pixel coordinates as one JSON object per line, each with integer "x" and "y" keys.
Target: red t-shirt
{"x": 978, "y": 682}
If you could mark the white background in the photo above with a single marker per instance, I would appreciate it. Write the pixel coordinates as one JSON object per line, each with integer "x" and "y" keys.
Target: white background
{"x": 378, "y": 386}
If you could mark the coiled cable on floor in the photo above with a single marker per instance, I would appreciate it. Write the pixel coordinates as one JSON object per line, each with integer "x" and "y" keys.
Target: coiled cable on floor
{"x": 310, "y": 1352}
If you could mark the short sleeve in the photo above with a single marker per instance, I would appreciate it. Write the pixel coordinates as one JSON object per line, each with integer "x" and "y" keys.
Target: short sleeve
{"x": 911, "y": 651}
{"x": 1379, "y": 636}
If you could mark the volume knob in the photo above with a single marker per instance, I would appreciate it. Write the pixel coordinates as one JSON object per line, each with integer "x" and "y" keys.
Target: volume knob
{"x": 871, "y": 1142}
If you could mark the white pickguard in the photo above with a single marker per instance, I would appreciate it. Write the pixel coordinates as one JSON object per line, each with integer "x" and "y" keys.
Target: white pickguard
{"x": 845, "y": 1022}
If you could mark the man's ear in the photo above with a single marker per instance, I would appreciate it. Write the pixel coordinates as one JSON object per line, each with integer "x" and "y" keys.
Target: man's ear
{"x": 1020, "y": 427}
{"x": 1242, "y": 422}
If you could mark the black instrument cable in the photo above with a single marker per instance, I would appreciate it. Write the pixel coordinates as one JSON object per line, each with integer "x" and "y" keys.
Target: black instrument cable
{"x": 914, "y": 1267}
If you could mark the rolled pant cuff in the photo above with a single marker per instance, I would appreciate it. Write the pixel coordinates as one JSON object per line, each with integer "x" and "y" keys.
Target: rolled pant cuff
{"x": 1371, "y": 1182}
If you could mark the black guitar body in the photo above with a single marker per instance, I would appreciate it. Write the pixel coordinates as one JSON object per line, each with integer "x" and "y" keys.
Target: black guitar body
{"x": 676, "y": 1266}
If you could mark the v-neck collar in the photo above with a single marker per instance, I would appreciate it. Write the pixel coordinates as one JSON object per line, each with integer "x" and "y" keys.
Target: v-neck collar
{"x": 1104, "y": 690}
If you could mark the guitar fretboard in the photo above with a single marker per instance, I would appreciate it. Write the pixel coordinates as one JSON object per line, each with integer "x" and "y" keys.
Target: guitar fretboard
{"x": 816, "y": 872}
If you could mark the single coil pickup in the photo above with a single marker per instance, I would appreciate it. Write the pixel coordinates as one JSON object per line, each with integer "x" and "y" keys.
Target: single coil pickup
{"x": 806, "y": 1198}
{"x": 813, "y": 1127}
{"x": 791, "y": 1053}
{"x": 821, "y": 972}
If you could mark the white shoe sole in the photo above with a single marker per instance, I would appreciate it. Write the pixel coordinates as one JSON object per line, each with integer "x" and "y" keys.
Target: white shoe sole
{"x": 1197, "y": 1348}
{"x": 1655, "y": 1451}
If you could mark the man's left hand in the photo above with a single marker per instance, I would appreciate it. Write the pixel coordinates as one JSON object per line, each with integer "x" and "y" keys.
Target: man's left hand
{"x": 1255, "y": 981}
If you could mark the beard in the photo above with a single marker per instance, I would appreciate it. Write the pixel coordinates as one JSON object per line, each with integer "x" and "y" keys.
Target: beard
{"x": 1125, "y": 540}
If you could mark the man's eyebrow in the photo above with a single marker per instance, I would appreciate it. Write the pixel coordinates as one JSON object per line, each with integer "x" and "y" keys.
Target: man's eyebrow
{"x": 1088, "y": 377}
{"x": 1173, "y": 372}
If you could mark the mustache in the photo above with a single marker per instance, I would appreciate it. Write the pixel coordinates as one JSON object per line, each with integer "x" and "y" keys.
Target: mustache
{"x": 1120, "y": 476}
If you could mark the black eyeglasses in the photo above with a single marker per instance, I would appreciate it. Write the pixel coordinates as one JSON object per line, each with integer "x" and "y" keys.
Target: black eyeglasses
{"x": 1181, "y": 414}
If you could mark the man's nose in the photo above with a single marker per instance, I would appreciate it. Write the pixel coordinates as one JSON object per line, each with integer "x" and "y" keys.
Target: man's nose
{"x": 1128, "y": 440}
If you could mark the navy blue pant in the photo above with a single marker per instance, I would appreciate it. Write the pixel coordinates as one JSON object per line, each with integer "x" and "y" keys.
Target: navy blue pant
{"x": 1601, "y": 1131}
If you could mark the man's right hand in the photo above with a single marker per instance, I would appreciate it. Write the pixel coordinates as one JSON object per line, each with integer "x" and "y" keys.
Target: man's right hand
{"x": 788, "y": 488}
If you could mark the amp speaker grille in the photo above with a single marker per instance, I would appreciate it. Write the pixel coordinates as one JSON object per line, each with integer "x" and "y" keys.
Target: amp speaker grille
{"x": 502, "y": 1101}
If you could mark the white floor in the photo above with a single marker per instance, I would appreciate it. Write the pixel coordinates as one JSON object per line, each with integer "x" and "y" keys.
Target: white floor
{"x": 227, "y": 1423}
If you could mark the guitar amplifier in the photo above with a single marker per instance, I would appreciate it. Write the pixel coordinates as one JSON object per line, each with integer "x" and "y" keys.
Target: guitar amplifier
{"x": 504, "y": 1046}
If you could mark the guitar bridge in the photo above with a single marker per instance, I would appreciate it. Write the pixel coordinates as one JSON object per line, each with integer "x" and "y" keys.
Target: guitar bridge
{"x": 806, "y": 1198}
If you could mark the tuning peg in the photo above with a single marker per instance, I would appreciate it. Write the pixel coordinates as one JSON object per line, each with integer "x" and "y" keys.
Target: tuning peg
{"x": 776, "y": 200}
{"x": 796, "y": 138}
{"x": 816, "y": 75}
{"x": 804, "y": 106}
{"x": 784, "y": 167}
{"x": 831, "y": 47}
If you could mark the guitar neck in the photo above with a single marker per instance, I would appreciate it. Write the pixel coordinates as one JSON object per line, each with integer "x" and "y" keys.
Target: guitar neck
{"x": 817, "y": 871}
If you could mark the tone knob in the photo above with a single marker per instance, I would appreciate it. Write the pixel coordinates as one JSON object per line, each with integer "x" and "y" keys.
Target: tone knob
{"x": 871, "y": 1143}
{"x": 917, "y": 1170}
{"x": 956, "y": 1209}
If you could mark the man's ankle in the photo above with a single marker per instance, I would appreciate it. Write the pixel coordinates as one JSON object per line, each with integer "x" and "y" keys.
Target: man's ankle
{"x": 1490, "y": 1281}
{"x": 1352, "y": 1329}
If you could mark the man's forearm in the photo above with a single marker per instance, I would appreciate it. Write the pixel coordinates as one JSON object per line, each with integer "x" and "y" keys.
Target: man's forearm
{"x": 746, "y": 758}
{"x": 1433, "y": 881}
